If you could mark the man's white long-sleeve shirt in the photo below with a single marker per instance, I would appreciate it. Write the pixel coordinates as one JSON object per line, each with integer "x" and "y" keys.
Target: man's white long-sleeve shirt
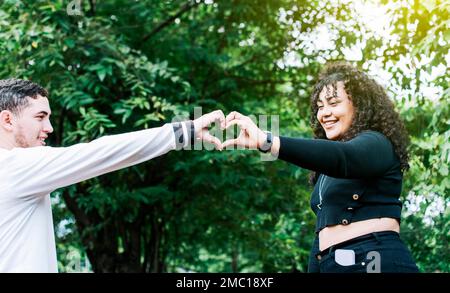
{"x": 28, "y": 175}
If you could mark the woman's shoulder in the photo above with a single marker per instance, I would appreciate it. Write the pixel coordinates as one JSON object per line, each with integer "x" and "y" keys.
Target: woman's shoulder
{"x": 372, "y": 133}
{"x": 373, "y": 136}
{"x": 377, "y": 141}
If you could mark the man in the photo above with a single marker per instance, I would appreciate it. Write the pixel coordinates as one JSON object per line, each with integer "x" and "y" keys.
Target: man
{"x": 30, "y": 170}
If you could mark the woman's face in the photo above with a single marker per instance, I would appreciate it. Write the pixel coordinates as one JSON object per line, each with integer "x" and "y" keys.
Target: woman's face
{"x": 335, "y": 114}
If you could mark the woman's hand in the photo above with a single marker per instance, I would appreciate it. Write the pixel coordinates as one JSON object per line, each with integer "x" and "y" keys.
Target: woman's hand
{"x": 250, "y": 136}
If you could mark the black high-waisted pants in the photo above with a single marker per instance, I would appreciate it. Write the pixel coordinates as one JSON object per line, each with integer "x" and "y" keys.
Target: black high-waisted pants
{"x": 376, "y": 252}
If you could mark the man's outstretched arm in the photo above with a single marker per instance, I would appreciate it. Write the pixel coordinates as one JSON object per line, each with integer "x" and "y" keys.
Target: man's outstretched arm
{"x": 40, "y": 170}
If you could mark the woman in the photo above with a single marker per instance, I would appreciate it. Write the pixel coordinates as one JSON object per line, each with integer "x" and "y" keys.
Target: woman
{"x": 358, "y": 158}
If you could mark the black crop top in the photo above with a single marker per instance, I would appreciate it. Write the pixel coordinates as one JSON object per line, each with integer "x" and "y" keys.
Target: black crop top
{"x": 359, "y": 179}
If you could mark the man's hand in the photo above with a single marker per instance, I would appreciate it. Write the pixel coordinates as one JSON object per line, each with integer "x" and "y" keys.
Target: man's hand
{"x": 201, "y": 127}
{"x": 250, "y": 136}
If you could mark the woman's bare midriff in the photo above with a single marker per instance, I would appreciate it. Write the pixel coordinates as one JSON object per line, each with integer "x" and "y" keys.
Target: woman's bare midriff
{"x": 332, "y": 235}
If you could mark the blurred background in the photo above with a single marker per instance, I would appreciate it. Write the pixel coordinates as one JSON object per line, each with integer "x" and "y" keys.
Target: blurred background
{"x": 119, "y": 65}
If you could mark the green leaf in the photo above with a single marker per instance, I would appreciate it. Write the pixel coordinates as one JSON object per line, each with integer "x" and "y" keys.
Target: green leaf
{"x": 101, "y": 74}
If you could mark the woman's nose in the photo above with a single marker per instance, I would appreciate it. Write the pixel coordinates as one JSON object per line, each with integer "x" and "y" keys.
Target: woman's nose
{"x": 326, "y": 111}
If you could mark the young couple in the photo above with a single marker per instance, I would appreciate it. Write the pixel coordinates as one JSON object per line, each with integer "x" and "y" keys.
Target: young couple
{"x": 357, "y": 158}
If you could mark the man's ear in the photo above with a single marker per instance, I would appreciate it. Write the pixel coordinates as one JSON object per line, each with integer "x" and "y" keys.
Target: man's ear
{"x": 6, "y": 118}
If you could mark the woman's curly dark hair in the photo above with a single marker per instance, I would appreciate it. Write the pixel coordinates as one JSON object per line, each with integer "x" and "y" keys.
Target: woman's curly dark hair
{"x": 373, "y": 108}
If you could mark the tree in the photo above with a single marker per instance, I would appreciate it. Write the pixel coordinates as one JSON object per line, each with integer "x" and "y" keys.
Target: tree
{"x": 122, "y": 66}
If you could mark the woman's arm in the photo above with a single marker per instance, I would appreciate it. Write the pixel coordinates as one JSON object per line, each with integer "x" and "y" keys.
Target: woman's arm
{"x": 369, "y": 154}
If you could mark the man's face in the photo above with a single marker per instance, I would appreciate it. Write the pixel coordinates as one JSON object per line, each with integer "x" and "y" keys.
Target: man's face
{"x": 32, "y": 126}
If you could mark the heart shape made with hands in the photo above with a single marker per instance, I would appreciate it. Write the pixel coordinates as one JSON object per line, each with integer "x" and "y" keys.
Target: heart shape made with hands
{"x": 250, "y": 136}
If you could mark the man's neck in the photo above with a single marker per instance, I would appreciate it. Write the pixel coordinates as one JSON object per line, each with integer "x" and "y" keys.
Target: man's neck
{"x": 6, "y": 144}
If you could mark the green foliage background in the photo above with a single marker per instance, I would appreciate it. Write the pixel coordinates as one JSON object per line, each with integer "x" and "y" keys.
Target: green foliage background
{"x": 126, "y": 65}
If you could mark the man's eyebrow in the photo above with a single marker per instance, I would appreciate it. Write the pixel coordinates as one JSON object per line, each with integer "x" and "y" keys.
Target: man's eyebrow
{"x": 43, "y": 112}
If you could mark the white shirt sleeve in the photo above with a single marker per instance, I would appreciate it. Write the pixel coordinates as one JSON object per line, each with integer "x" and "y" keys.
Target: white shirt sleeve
{"x": 40, "y": 170}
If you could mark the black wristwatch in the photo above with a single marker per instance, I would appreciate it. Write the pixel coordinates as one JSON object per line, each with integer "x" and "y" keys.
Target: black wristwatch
{"x": 267, "y": 145}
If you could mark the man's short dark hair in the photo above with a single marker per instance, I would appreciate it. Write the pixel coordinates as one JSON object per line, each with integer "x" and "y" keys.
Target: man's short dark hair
{"x": 14, "y": 93}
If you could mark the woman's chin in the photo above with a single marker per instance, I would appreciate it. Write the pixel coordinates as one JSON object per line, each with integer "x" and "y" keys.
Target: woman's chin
{"x": 332, "y": 134}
